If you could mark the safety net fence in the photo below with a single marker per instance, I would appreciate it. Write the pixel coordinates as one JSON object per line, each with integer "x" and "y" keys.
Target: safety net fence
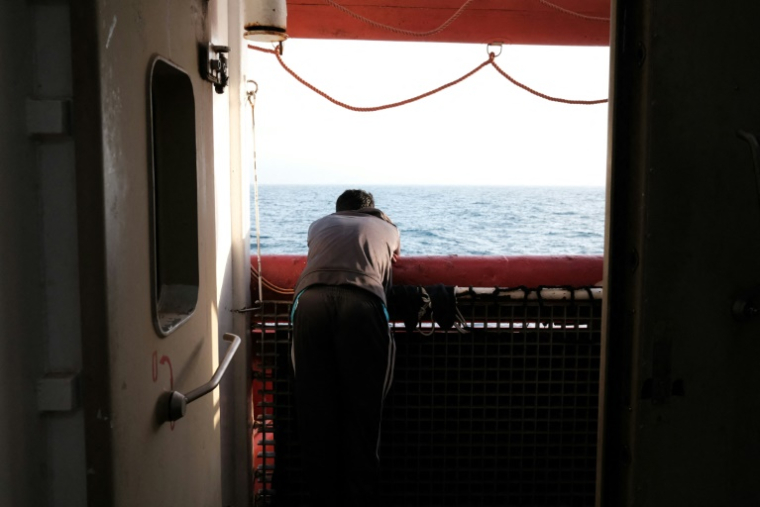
{"x": 499, "y": 410}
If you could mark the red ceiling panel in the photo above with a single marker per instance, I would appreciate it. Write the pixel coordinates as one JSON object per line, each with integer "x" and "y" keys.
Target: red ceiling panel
{"x": 555, "y": 22}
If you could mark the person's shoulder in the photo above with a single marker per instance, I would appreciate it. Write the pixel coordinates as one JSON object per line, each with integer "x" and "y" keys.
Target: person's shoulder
{"x": 331, "y": 216}
{"x": 322, "y": 222}
{"x": 377, "y": 213}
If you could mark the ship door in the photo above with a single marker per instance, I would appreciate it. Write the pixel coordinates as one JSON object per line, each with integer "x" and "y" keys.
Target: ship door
{"x": 155, "y": 248}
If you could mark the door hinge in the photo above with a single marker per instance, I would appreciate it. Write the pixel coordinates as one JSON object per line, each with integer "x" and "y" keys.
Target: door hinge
{"x": 213, "y": 64}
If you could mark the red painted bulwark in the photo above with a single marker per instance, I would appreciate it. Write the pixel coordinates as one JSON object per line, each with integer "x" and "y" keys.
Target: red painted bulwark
{"x": 483, "y": 21}
{"x": 467, "y": 271}
{"x": 499, "y": 271}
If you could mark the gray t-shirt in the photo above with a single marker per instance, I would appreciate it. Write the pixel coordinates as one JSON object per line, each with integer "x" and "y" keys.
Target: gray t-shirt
{"x": 351, "y": 248}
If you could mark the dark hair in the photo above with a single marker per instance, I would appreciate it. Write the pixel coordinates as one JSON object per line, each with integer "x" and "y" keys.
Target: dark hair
{"x": 351, "y": 200}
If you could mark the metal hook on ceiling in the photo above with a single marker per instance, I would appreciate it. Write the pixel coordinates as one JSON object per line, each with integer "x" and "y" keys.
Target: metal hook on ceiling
{"x": 252, "y": 89}
{"x": 490, "y": 52}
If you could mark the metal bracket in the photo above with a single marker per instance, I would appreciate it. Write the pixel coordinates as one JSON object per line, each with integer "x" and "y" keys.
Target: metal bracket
{"x": 214, "y": 66}
{"x": 754, "y": 147}
{"x": 746, "y": 305}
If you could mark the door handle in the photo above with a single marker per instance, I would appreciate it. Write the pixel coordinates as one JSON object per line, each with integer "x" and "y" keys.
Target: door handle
{"x": 178, "y": 402}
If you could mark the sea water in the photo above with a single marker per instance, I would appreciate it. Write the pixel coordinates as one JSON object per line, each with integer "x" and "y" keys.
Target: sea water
{"x": 445, "y": 220}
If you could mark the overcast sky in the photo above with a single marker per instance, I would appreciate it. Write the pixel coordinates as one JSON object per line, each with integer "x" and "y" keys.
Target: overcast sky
{"x": 483, "y": 131}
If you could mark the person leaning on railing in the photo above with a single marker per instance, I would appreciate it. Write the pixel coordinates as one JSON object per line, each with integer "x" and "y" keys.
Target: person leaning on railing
{"x": 343, "y": 352}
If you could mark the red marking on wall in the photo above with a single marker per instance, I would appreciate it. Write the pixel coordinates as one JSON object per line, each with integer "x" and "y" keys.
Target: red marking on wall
{"x": 164, "y": 360}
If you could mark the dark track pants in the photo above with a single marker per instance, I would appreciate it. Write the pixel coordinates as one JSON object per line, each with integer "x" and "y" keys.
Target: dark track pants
{"x": 343, "y": 355}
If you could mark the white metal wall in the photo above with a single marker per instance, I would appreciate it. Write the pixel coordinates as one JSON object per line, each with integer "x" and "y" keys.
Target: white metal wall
{"x": 42, "y": 441}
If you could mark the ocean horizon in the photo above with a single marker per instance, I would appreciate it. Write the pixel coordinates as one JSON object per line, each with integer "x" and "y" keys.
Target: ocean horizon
{"x": 447, "y": 220}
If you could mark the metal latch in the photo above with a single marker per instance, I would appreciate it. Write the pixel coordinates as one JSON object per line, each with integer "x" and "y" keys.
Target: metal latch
{"x": 214, "y": 66}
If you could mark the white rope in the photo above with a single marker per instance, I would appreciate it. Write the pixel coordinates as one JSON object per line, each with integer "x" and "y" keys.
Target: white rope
{"x": 401, "y": 30}
{"x": 573, "y": 13}
{"x": 252, "y": 101}
{"x": 426, "y": 303}
{"x": 451, "y": 19}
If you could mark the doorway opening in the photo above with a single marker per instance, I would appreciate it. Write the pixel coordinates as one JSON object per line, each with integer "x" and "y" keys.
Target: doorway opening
{"x": 511, "y": 419}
